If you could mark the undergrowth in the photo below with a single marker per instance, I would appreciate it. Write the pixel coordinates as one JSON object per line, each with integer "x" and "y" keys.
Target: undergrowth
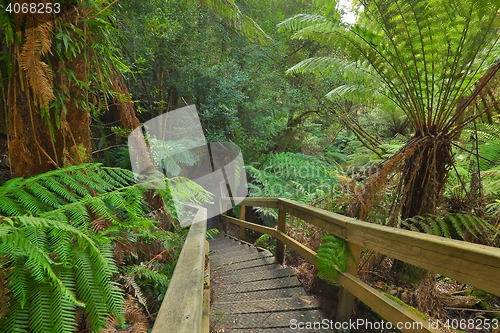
{"x": 73, "y": 243}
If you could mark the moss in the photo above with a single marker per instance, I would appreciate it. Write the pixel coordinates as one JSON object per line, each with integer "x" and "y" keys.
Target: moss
{"x": 484, "y": 297}
{"x": 408, "y": 307}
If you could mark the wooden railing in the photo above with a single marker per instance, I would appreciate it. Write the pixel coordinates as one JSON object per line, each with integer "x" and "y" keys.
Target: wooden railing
{"x": 472, "y": 264}
{"x": 185, "y": 308}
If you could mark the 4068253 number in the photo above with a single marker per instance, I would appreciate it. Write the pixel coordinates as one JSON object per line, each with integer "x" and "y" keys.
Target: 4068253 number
{"x": 33, "y": 8}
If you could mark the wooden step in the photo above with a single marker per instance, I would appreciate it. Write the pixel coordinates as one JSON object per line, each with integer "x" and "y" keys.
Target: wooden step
{"x": 253, "y": 293}
{"x": 217, "y": 260}
{"x": 259, "y": 295}
{"x": 224, "y": 245}
{"x": 222, "y": 240}
{"x": 228, "y": 268}
{"x": 257, "y": 274}
{"x": 284, "y": 304}
{"x": 286, "y": 282}
{"x": 232, "y": 250}
{"x": 282, "y": 319}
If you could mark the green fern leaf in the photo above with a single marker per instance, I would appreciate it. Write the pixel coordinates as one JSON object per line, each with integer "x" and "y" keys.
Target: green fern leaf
{"x": 333, "y": 255}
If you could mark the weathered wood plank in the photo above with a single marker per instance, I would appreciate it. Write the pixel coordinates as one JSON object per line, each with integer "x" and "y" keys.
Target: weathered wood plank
{"x": 219, "y": 244}
{"x": 281, "y": 228}
{"x": 205, "y": 320}
{"x": 468, "y": 263}
{"x": 295, "y": 245}
{"x": 234, "y": 249}
{"x": 241, "y": 234}
{"x": 237, "y": 257}
{"x": 250, "y": 225}
{"x": 257, "y": 274}
{"x": 181, "y": 311}
{"x": 315, "y": 216}
{"x": 257, "y": 202}
{"x": 346, "y": 298}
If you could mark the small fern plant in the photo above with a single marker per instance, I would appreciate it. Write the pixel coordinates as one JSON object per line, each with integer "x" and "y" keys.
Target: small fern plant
{"x": 57, "y": 234}
{"x": 333, "y": 255}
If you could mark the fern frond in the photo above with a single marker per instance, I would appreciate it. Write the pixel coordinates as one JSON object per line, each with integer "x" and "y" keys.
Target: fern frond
{"x": 88, "y": 292}
{"x": 293, "y": 176}
{"x": 186, "y": 190}
{"x": 333, "y": 255}
{"x": 440, "y": 225}
{"x": 40, "y": 305}
{"x": 54, "y": 258}
{"x": 425, "y": 54}
{"x": 301, "y": 21}
{"x": 63, "y": 312}
{"x": 212, "y": 232}
{"x": 143, "y": 273}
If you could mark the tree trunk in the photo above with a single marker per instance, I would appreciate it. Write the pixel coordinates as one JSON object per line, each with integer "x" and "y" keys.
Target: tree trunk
{"x": 424, "y": 178}
{"x": 43, "y": 137}
{"x": 424, "y": 175}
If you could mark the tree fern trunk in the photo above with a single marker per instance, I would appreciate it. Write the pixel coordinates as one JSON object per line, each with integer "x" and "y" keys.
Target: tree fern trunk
{"x": 424, "y": 178}
{"x": 424, "y": 174}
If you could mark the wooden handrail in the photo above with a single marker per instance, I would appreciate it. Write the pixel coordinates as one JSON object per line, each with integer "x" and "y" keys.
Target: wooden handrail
{"x": 182, "y": 308}
{"x": 469, "y": 263}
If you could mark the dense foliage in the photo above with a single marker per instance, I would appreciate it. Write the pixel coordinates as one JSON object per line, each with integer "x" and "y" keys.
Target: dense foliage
{"x": 393, "y": 119}
{"x": 71, "y": 239}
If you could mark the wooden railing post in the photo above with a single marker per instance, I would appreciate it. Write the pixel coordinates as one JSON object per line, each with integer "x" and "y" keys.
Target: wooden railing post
{"x": 280, "y": 246}
{"x": 205, "y": 320}
{"x": 224, "y": 213}
{"x": 241, "y": 234}
{"x": 346, "y": 299}
{"x": 223, "y": 205}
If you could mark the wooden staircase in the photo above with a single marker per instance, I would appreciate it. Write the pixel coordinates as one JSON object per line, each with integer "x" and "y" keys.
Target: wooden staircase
{"x": 252, "y": 292}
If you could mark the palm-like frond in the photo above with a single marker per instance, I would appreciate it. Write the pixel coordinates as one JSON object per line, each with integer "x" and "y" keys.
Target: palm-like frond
{"x": 44, "y": 276}
{"x": 294, "y": 176}
{"x": 427, "y": 54}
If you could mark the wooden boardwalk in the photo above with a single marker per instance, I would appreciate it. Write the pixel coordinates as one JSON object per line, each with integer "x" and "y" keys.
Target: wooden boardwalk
{"x": 252, "y": 292}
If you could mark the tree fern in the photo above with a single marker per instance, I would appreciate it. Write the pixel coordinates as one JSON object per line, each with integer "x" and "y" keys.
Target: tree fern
{"x": 431, "y": 59}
